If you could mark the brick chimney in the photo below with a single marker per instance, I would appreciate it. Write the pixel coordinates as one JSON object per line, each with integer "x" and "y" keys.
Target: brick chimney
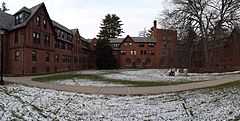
{"x": 155, "y": 24}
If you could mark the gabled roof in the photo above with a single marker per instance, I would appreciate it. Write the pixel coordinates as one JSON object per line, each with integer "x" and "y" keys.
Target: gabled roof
{"x": 56, "y": 24}
{"x": 82, "y": 38}
{"x": 33, "y": 11}
{"x": 7, "y": 21}
{"x": 135, "y": 39}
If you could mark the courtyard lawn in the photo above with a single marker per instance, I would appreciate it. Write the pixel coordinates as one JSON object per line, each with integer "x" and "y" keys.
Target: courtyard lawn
{"x": 104, "y": 80}
{"x": 135, "y": 78}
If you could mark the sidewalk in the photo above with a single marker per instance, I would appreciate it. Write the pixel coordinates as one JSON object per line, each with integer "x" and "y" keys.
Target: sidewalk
{"x": 26, "y": 81}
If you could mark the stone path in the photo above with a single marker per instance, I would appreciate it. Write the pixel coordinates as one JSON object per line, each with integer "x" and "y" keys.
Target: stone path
{"x": 26, "y": 81}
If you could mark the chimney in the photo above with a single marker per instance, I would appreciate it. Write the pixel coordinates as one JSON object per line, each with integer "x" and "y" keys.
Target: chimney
{"x": 155, "y": 24}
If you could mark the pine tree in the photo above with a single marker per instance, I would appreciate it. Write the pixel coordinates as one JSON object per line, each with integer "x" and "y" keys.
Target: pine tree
{"x": 110, "y": 28}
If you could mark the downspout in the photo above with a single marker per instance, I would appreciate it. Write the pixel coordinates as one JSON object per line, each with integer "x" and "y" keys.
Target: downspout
{"x": 23, "y": 53}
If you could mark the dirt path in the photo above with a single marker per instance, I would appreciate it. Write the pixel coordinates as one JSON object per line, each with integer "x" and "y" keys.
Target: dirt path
{"x": 124, "y": 90}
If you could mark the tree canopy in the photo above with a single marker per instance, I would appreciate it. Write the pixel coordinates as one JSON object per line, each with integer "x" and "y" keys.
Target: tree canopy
{"x": 209, "y": 19}
{"x": 3, "y": 7}
{"x": 110, "y": 28}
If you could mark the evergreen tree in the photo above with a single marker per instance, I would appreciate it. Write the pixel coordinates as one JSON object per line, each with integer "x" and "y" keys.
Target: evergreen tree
{"x": 110, "y": 28}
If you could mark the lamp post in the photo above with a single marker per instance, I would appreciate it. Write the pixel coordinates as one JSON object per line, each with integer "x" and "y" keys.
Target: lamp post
{"x": 1, "y": 38}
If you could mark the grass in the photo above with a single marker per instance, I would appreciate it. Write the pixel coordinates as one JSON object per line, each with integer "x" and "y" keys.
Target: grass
{"x": 227, "y": 85}
{"x": 104, "y": 79}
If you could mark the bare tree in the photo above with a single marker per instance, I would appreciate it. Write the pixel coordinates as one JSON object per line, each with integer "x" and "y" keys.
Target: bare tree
{"x": 145, "y": 33}
{"x": 208, "y": 18}
{"x": 3, "y": 7}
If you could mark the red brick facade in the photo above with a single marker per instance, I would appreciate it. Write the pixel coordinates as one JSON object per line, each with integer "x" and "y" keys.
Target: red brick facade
{"x": 157, "y": 51}
{"x": 223, "y": 55}
{"x": 36, "y": 45}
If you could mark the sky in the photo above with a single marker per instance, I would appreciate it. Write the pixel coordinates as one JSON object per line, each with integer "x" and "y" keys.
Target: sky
{"x": 87, "y": 15}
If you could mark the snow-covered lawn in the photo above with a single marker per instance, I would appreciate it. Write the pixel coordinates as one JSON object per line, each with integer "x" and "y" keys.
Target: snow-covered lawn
{"x": 161, "y": 75}
{"x": 31, "y": 104}
{"x": 153, "y": 75}
{"x": 86, "y": 82}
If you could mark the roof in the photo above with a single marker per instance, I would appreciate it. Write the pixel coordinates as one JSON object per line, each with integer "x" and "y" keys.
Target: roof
{"x": 86, "y": 40}
{"x": 135, "y": 39}
{"x": 74, "y": 31}
{"x": 7, "y": 21}
{"x": 116, "y": 40}
{"x": 24, "y": 9}
{"x": 33, "y": 10}
{"x": 82, "y": 38}
{"x": 56, "y": 24}
{"x": 89, "y": 40}
{"x": 143, "y": 39}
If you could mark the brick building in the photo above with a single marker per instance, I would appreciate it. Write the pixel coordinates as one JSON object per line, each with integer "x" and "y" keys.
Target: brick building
{"x": 156, "y": 51}
{"x": 35, "y": 44}
{"x": 224, "y": 54}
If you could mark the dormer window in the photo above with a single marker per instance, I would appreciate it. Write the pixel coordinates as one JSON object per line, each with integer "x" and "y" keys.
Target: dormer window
{"x": 19, "y": 18}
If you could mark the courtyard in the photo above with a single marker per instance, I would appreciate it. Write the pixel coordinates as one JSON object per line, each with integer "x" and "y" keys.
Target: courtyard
{"x": 221, "y": 102}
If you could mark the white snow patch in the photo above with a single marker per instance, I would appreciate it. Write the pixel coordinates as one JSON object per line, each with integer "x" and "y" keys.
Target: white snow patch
{"x": 24, "y": 103}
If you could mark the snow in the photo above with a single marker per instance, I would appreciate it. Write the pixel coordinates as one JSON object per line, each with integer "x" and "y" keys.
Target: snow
{"x": 86, "y": 82}
{"x": 25, "y": 103}
{"x": 142, "y": 75}
{"x": 161, "y": 75}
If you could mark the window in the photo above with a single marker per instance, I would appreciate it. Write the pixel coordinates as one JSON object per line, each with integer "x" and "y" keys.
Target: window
{"x": 141, "y": 45}
{"x": 58, "y": 33}
{"x": 151, "y": 45}
{"x": 19, "y": 19}
{"x": 44, "y": 23}
{"x": 123, "y": 52}
{"x": 34, "y": 56}
{"x": 133, "y": 52}
{"x": 145, "y": 52}
{"x": 47, "y": 57}
{"x": 38, "y": 20}
{"x": 17, "y": 55}
{"x": 152, "y": 52}
{"x": 34, "y": 70}
{"x": 141, "y": 52}
{"x": 165, "y": 44}
{"x": 57, "y": 58}
{"x": 46, "y": 41}
{"x": 36, "y": 38}
{"x": 164, "y": 38}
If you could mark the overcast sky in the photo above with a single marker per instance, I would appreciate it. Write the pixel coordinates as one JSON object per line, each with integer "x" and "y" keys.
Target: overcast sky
{"x": 86, "y": 15}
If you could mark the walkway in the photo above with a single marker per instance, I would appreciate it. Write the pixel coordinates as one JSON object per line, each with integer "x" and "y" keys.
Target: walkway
{"x": 124, "y": 90}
